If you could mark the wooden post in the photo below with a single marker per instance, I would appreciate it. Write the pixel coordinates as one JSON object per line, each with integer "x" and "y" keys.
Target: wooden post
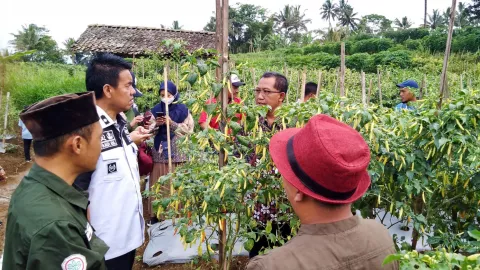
{"x": 177, "y": 77}
{"x": 342, "y": 70}
{"x": 336, "y": 82}
{"x": 319, "y": 84}
{"x": 379, "y": 73}
{"x": 165, "y": 79}
{"x": 425, "y": 80}
{"x": 364, "y": 92}
{"x": 422, "y": 88}
{"x": 461, "y": 81}
{"x": 5, "y": 120}
{"x": 443, "y": 80}
{"x": 370, "y": 92}
{"x": 304, "y": 82}
{"x": 222, "y": 47}
{"x": 254, "y": 77}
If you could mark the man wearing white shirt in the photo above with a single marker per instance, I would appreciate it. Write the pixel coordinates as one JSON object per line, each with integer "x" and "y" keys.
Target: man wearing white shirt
{"x": 115, "y": 210}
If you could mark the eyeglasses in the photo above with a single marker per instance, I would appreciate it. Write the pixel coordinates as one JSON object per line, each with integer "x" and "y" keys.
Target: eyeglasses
{"x": 265, "y": 92}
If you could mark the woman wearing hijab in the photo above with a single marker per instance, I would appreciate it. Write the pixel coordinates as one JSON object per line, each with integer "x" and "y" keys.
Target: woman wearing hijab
{"x": 181, "y": 124}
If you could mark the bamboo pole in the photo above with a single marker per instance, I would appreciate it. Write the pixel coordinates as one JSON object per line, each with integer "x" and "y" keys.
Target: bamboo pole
{"x": 369, "y": 92}
{"x": 165, "y": 79}
{"x": 379, "y": 73}
{"x": 422, "y": 88}
{"x": 177, "y": 77}
{"x": 461, "y": 81}
{"x": 336, "y": 82}
{"x": 364, "y": 92}
{"x": 304, "y": 82}
{"x": 443, "y": 80}
{"x": 342, "y": 70}
{"x": 5, "y": 121}
{"x": 2, "y": 86}
{"x": 425, "y": 79}
{"x": 319, "y": 84}
{"x": 222, "y": 44}
{"x": 254, "y": 77}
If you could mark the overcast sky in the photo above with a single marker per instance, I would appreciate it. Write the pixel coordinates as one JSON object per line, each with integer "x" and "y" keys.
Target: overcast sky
{"x": 67, "y": 19}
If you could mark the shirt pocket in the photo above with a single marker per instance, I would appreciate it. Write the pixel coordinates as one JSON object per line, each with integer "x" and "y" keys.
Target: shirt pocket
{"x": 111, "y": 166}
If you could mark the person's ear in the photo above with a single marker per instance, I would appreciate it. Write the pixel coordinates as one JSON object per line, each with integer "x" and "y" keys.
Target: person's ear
{"x": 107, "y": 90}
{"x": 77, "y": 144}
{"x": 299, "y": 196}
{"x": 282, "y": 96}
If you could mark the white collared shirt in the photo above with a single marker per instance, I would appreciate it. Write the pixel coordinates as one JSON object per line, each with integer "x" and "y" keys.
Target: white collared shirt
{"x": 116, "y": 210}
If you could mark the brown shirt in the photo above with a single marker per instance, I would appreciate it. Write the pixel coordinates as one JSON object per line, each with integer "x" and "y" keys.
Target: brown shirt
{"x": 353, "y": 243}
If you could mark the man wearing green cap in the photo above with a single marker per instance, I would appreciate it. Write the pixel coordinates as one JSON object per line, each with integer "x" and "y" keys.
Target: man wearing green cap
{"x": 407, "y": 94}
{"x": 47, "y": 224}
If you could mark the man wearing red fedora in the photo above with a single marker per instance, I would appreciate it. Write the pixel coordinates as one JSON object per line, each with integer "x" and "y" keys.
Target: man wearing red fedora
{"x": 324, "y": 170}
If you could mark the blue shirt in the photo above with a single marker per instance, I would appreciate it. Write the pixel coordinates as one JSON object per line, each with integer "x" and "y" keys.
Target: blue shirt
{"x": 25, "y": 133}
{"x": 403, "y": 106}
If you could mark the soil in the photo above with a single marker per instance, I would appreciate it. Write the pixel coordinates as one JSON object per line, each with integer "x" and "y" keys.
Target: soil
{"x": 15, "y": 167}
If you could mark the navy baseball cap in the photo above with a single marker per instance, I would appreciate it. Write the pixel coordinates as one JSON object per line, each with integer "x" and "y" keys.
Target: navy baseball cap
{"x": 134, "y": 85}
{"x": 408, "y": 83}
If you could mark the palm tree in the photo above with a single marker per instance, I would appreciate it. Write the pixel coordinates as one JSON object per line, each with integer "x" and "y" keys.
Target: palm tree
{"x": 68, "y": 43}
{"x": 328, "y": 12}
{"x": 291, "y": 18}
{"x": 27, "y": 38}
{"x": 347, "y": 18}
{"x": 425, "y": 15}
{"x": 446, "y": 16}
{"x": 435, "y": 20}
{"x": 404, "y": 23}
{"x": 461, "y": 18}
{"x": 176, "y": 25}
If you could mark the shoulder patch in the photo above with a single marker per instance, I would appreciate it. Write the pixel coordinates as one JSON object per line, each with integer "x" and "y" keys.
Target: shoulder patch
{"x": 74, "y": 262}
{"x": 110, "y": 139}
{"x": 89, "y": 231}
{"x": 104, "y": 119}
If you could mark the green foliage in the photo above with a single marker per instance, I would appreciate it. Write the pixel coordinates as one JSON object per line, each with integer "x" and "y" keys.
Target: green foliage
{"x": 401, "y": 36}
{"x": 439, "y": 260}
{"x": 373, "y": 45}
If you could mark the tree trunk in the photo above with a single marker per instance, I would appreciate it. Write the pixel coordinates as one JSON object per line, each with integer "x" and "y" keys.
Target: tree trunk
{"x": 425, "y": 15}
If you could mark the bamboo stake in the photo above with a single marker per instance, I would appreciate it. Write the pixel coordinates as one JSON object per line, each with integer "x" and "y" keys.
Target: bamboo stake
{"x": 461, "y": 81}
{"x": 336, "y": 82}
{"x": 364, "y": 92}
{"x": 254, "y": 77}
{"x": 177, "y": 77}
{"x": 5, "y": 120}
{"x": 443, "y": 80}
{"x": 2, "y": 86}
{"x": 370, "y": 92}
{"x": 379, "y": 73}
{"x": 342, "y": 70}
{"x": 422, "y": 87}
{"x": 425, "y": 80}
{"x": 165, "y": 79}
{"x": 304, "y": 82}
{"x": 319, "y": 84}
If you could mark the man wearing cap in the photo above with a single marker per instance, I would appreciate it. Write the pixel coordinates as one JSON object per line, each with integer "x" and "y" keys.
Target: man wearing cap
{"x": 47, "y": 224}
{"x": 324, "y": 170}
{"x": 407, "y": 94}
{"x": 235, "y": 84}
{"x": 115, "y": 209}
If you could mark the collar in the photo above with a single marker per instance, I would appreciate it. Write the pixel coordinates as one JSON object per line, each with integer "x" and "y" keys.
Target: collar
{"x": 106, "y": 121}
{"x": 57, "y": 185}
{"x": 330, "y": 228}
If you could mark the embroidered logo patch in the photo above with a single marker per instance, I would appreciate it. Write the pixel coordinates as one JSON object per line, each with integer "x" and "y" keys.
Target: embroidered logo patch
{"x": 74, "y": 262}
{"x": 89, "y": 231}
{"x": 104, "y": 119}
{"x": 112, "y": 167}
{"x": 108, "y": 139}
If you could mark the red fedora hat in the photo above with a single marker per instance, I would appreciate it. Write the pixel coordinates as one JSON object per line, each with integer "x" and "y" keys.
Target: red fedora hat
{"x": 326, "y": 160}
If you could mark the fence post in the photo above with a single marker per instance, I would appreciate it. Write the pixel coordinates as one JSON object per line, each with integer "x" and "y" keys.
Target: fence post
{"x": 364, "y": 94}
{"x": 443, "y": 78}
{"x": 342, "y": 70}
{"x": 379, "y": 73}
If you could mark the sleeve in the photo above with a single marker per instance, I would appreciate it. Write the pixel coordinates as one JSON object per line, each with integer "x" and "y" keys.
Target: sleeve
{"x": 60, "y": 245}
{"x": 19, "y": 122}
{"x": 203, "y": 118}
{"x": 184, "y": 128}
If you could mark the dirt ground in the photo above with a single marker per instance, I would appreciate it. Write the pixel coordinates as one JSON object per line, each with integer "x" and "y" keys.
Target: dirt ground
{"x": 15, "y": 168}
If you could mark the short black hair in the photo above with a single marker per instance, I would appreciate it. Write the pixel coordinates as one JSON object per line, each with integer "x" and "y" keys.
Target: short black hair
{"x": 51, "y": 147}
{"x": 281, "y": 82}
{"x": 330, "y": 206}
{"x": 311, "y": 88}
{"x": 104, "y": 69}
